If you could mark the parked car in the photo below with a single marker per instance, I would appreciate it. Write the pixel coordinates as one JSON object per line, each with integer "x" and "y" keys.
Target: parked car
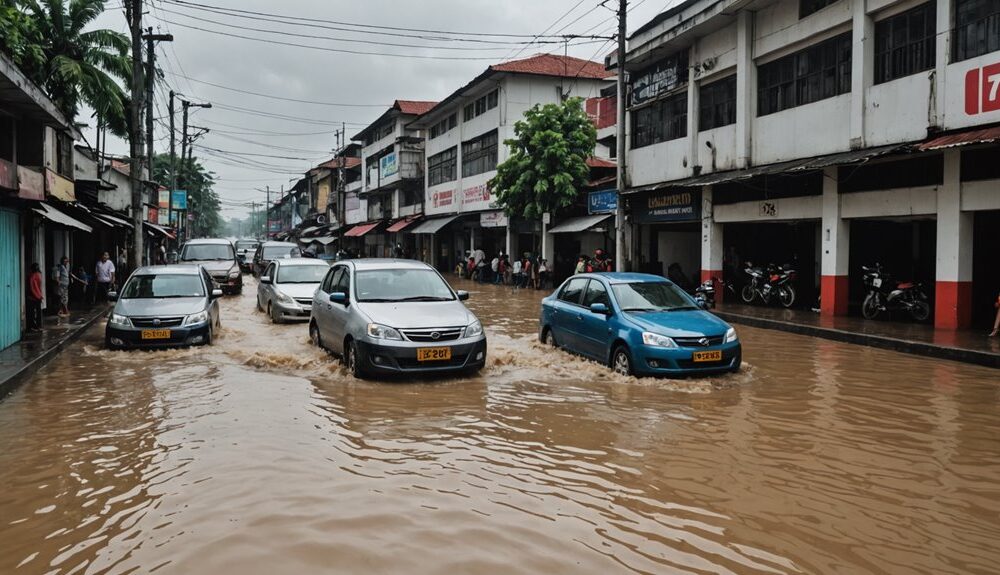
{"x": 638, "y": 324}
{"x": 267, "y": 252}
{"x": 218, "y": 256}
{"x": 286, "y": 289}
{"x": 395, "y": 316}
{"x": 245, "y": 250}
{"x": 164, "y": 306}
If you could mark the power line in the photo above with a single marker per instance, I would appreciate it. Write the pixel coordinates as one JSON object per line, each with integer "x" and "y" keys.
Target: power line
{"x": 266, "y": 114}
{"x": 283, "y": 98}
{"x": 550, "y": 26}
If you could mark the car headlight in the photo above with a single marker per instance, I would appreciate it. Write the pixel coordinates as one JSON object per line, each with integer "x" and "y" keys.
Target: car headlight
{"x": 383, "y": 332}
{"x": 474, "y": 329}
{"x": 731, "y": 335}
{"x": 283, "y": 297}
{"x": 194, "y": 318}
{"x": 234, "y": 273}
{"x": 120, "y": 320}
{"x": 657, "y": 340}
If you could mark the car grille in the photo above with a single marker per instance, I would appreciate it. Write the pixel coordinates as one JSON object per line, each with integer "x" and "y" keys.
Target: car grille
{"x": 696, "y": 341}
{"x": 426, "y": 335}
{"x": 412, "y": 363}
{"x": 151, "y": 321}
{"x": 306, "y": 301}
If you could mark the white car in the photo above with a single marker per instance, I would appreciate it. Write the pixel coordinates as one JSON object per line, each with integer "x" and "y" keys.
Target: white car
{"x": 285, "y": 290}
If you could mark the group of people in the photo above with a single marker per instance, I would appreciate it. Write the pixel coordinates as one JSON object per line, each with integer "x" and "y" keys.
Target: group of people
{"x": 65, "y": 279}
{"x": 600, "y": 262}
{"x": 528, "y": 271}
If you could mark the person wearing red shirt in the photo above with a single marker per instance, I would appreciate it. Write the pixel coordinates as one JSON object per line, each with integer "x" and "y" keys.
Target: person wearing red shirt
{"x": 35, "y": 297}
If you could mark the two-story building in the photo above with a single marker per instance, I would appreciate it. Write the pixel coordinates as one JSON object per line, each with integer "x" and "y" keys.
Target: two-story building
{"x": 465, "y": 135}
{"x": 831, "y": 133}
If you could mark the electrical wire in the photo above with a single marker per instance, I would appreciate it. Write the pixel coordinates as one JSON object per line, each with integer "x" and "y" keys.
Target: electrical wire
{"x": 282, "y": 98}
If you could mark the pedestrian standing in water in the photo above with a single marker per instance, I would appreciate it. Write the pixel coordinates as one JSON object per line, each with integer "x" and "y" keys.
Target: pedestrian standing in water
{"x": 63, "y": 277}
{"x": 543, "y": 273}
{"x": 35, "y": 297}
{"x": 104, "y": 272}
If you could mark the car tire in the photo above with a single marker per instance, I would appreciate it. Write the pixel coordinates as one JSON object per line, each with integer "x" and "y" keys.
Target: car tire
{"x": 354, "y": 360}
{"x": 110, "y": 346}
{"x": 314, "y": 335}
{"x": 549, "y": 338}
{"x": 270, "y": 313}
{"x": 621, "y": 360}
{"x": 210, "y": 336}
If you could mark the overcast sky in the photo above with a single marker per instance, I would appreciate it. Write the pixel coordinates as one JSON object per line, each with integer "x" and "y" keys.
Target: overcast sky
{"x": 369, "y": 83}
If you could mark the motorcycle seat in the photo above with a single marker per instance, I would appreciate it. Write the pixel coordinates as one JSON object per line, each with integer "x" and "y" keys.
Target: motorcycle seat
{"x": 905, "y": 285}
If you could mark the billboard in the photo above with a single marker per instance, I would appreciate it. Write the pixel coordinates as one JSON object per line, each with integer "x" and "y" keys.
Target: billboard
{"x": 602, "y": 202}
{"x": 164, "y": 200}
{"x": 179, "y": 199}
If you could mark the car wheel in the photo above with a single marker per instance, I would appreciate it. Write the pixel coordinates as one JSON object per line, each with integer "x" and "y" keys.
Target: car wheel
{"x": 354, "y": 360}
{"x": 270, "y": 312}
{"x": 549, "y": 338}
{"x": 314, "y": 336}
{"x": 210, "y": 336}
{"x": 621, "y": 361}
{"x": 110, "y": 346}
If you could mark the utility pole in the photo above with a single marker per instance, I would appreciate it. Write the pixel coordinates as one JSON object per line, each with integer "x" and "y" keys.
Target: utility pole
{"x": 173, "y": 161}
{"x": 620, "y": 176}
{"x": 150, "y": 39}
{"x": 267, "y": 215}
{"x": 134, "y": 13}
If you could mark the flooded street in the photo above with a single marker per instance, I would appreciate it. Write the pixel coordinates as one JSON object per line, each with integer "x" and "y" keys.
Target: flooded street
{"x": 261, "y": 455}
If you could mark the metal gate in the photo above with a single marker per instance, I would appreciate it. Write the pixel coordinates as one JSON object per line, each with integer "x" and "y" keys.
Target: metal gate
{"x": 10, "y": 278}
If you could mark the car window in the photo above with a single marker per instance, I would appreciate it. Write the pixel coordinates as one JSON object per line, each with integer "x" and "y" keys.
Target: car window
{"x": 300, "y": 274}
{"x": 207, "y": 252}
{"x": 269, "y": 272}
{"x": 156, "y": 286}
{"x": 343, "y": 283}
{"x": 572, "y": 290}
{"x": 596, "y": 293}
{"x": 333, "y": 279}
{"x": 208, "y": 278}
{"x": 401, "y": 284}
{"x": 280, "y": 252}
{"x": 651, "y": 296}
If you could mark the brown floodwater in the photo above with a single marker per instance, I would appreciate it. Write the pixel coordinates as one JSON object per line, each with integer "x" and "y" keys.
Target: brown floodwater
{"x": 261, "y": 455}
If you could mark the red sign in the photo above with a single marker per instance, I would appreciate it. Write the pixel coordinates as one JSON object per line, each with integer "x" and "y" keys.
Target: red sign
{"x": 982, "y": 90}
{"x": 8, "y": 175}
{"x": 480, "y": 193}
{"x": 443, "y": 198}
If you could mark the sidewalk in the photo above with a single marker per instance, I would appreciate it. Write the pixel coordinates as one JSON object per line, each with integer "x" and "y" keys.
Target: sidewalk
{"x": 21, "y": 360}
{"x": 920, "y": 339}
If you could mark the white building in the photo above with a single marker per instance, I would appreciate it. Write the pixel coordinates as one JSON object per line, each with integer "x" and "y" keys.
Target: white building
{"x": 465, "y": 134}
{"x": 837, "y": 132}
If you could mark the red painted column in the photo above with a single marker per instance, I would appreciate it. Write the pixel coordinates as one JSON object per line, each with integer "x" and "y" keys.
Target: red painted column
{"x": 715, "y": 276}
{"x": 953, "y": 305}
{"x": 833, "y": 295}
{"x": 953, "y": 266}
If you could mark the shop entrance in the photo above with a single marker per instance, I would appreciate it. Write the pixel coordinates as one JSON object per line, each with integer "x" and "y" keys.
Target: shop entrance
{"x": 792, "y": 244}
{"x": 906, "y": 248}
{"x": 677, "y": 245}
{"x": 985, "y": 268}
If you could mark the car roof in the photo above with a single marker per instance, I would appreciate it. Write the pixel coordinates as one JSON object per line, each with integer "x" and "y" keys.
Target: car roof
{"x": 388, "y": 264}
{"x": 268, "y": 244}
{"x": 626, "y": 277}
{"x": 179, "y": 269}
{"x": 301, "y": 262}
{"x": 208, "y": 241}
{"x": 248, "y": 240}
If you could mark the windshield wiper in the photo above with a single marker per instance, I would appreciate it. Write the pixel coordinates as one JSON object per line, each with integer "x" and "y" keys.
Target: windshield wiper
{"x": 424, "y": 298}
{"x": 641, "y": 309}
{"x": 682, "y": 308}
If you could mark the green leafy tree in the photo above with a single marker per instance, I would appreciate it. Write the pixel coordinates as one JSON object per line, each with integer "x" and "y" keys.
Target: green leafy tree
{"x": 203, "y": 202}
{"x": 18, "y": 33}
{"x": 548, "y": 160}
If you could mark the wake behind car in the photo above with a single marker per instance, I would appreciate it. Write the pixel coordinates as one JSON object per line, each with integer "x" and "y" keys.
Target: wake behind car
{"x": 218, "y": 256}
{"x": 639, "y": 324}
{"x": 267, "y": 252}
{"x": 393, "y": 317}
{"x": 164, "y": 306}
{"x": 286, "y": 289}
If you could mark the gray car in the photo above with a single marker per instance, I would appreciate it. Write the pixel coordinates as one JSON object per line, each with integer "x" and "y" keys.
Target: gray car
{"x": 218, "y": 256}
{"x": 395, "y": 316}
{"x": 286, "y": 289}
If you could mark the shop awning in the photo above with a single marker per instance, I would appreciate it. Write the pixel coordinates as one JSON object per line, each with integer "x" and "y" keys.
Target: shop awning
{"x": 433, "y": 226}
{"x": 360, "y": 230}
{"x": 151, "y": 228}
{"x": 308, "y": 231}
{"x": 980, "y": 136}
{"x": 579, "y": 224}
{"x": 401, "y": 225}
{"x": 325, "y": 240}
{"x": 55, "y": 216}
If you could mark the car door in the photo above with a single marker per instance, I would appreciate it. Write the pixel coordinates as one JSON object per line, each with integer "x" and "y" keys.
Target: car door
{"x": 266, "y": 291}
{"x": 323, "y": 308}
{"x": 594, "y": 334}
{"x": 565, "y": 314}
{"x": 213, "y": 303}
{"x": 340, "y": 313}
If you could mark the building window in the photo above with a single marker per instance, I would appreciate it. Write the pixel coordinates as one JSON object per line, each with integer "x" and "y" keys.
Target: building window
{"x": 977, "y": 28}
{"x": 818, "y": 72}
{"x": 479, "y": 155}
{"x": 904, "y": 44}
{"x": 717, "y": 104}
{"x": 64, "y": 154}
{"x": 661, "y": 121}
{"x": 444, "y": 126}
{"x": 441, "y": 167}
{"x": 481, "y": 105}
{"x": 807, "y": 7}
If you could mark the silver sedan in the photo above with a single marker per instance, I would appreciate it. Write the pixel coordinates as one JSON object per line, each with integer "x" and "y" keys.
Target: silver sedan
{"x": 285, "y": 289}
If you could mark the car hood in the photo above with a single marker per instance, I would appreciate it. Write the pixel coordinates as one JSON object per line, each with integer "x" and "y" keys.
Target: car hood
{"x": 160, "y": 307}
{"x": 217, "y": 266}
{"x": 691, "y": 323}
{"x": 297, "y": 290}
{"x": 411, "y": 315}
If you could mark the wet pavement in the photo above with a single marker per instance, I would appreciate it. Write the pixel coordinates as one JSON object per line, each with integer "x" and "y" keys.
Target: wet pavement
{"x": 261, "y": 455}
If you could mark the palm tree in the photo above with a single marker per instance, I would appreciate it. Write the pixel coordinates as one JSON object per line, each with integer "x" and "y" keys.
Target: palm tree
{"x": 81, "y": 66}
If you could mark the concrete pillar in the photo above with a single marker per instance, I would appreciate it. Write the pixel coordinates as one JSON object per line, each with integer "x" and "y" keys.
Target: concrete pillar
{"x": 510, "y": 222}
{"x": 472, "y": 240}
{"x": 711, "y": 243}
{"x": 548, "y": 243}
{"x": 942, "y": 53}
{"x": 953, "y": 270}
{"x": 693, "y": 99}
{"x": 862, "y": 58}
{"x": 836, "y": 236}
{"x": 746, "y": 80}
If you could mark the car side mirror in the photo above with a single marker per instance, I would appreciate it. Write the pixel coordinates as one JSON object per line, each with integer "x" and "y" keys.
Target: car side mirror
{"x": 462, "y": 295}
{"x": 216, "y": 293}
{"x": 338, "y": 297}
{"x": 265, "y": 279}
{"x": 599, "y": 308}
{"x": 112, "y": 296}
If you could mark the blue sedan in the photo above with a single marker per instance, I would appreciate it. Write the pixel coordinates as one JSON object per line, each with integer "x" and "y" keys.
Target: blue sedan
{"x": 638, "y": 324}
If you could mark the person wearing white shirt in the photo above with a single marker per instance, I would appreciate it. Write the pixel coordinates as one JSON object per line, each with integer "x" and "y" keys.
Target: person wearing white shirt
{"x": 104, "y": 273}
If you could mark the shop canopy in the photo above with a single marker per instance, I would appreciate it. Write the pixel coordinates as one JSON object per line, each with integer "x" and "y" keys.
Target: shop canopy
{"x": 360, "y": 230}
{"x": 151, "y": 227}
{"x": 401, "y": 225}
{"x": 325, "y": 240}
{"x": 433, "y": 226}
{"x": 55, "y": 216}
{"x": 579, "y": 224}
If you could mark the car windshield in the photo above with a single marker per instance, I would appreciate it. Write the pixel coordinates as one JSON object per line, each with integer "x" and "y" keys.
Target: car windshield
{"x": 280, "y": 252}
{"x": 207, "y": 252}
{"x": 301, "y": 274}
{"x": 401, "y": 285}
{"x": 651, "y": 296}
{"x": 154, "y": 286}
{"x": 246, "y": 245}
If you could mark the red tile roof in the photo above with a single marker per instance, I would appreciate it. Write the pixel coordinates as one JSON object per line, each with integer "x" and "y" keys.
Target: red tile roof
{"x": 415, "y": 107}
{"x": 600, "y": 163}
{"x": 349, "y": 162}
{"x": 554, "y": 65}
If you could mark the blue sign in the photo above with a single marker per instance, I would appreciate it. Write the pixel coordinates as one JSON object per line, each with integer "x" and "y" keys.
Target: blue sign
{"x": 388, "y": 166}
{"x": 602, "y": 202}
{"x": 179, "y": 199}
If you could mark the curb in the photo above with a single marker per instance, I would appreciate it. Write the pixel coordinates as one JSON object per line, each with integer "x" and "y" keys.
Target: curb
{"x": 879, "y": 341}
{"x": 32, "y": 366}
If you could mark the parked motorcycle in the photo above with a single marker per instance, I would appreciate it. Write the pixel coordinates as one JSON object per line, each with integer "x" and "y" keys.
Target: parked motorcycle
{"x": 770, "y": 283}
{"x": 885, "y": 294}
{"x": 704, "y": 294}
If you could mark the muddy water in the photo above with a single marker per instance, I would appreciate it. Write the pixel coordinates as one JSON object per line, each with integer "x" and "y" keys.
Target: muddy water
{"x": 260, "y": 455}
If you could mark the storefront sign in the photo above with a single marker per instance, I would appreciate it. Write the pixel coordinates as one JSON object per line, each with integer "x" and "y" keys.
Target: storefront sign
{"x": 59, "y": 187}
{"x": 443, "y": 198}
{"x": 32, "y": 184}
{"x": 480, "y": 193}
{"x": 660, "y": 78}
{"x": 982, "y": 90}
{"x": 8, "y": 175}
{"x": 153, "y": 215}
{"x": 674, "y": 206}
{"x": 163, "y": 217}
{"x": 602, "y": 202}
{"x": 179, "y": 199}
{"x": 274, "y": 226}
{"x": 164, "y": 200}
{"x": 493, "y": 220}
{"x": 388, "y": 165}
{"x": 769, "y": 209}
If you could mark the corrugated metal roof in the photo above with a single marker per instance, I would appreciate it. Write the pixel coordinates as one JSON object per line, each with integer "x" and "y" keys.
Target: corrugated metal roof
{"x": 977, "y": 136}
{"x": 578, "y": 224}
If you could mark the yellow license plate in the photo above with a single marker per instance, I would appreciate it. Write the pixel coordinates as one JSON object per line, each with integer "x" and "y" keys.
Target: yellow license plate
{"x": 434, "y": 354}
{"x": 156, "y": 334}
{"x": 707, "y": 355}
